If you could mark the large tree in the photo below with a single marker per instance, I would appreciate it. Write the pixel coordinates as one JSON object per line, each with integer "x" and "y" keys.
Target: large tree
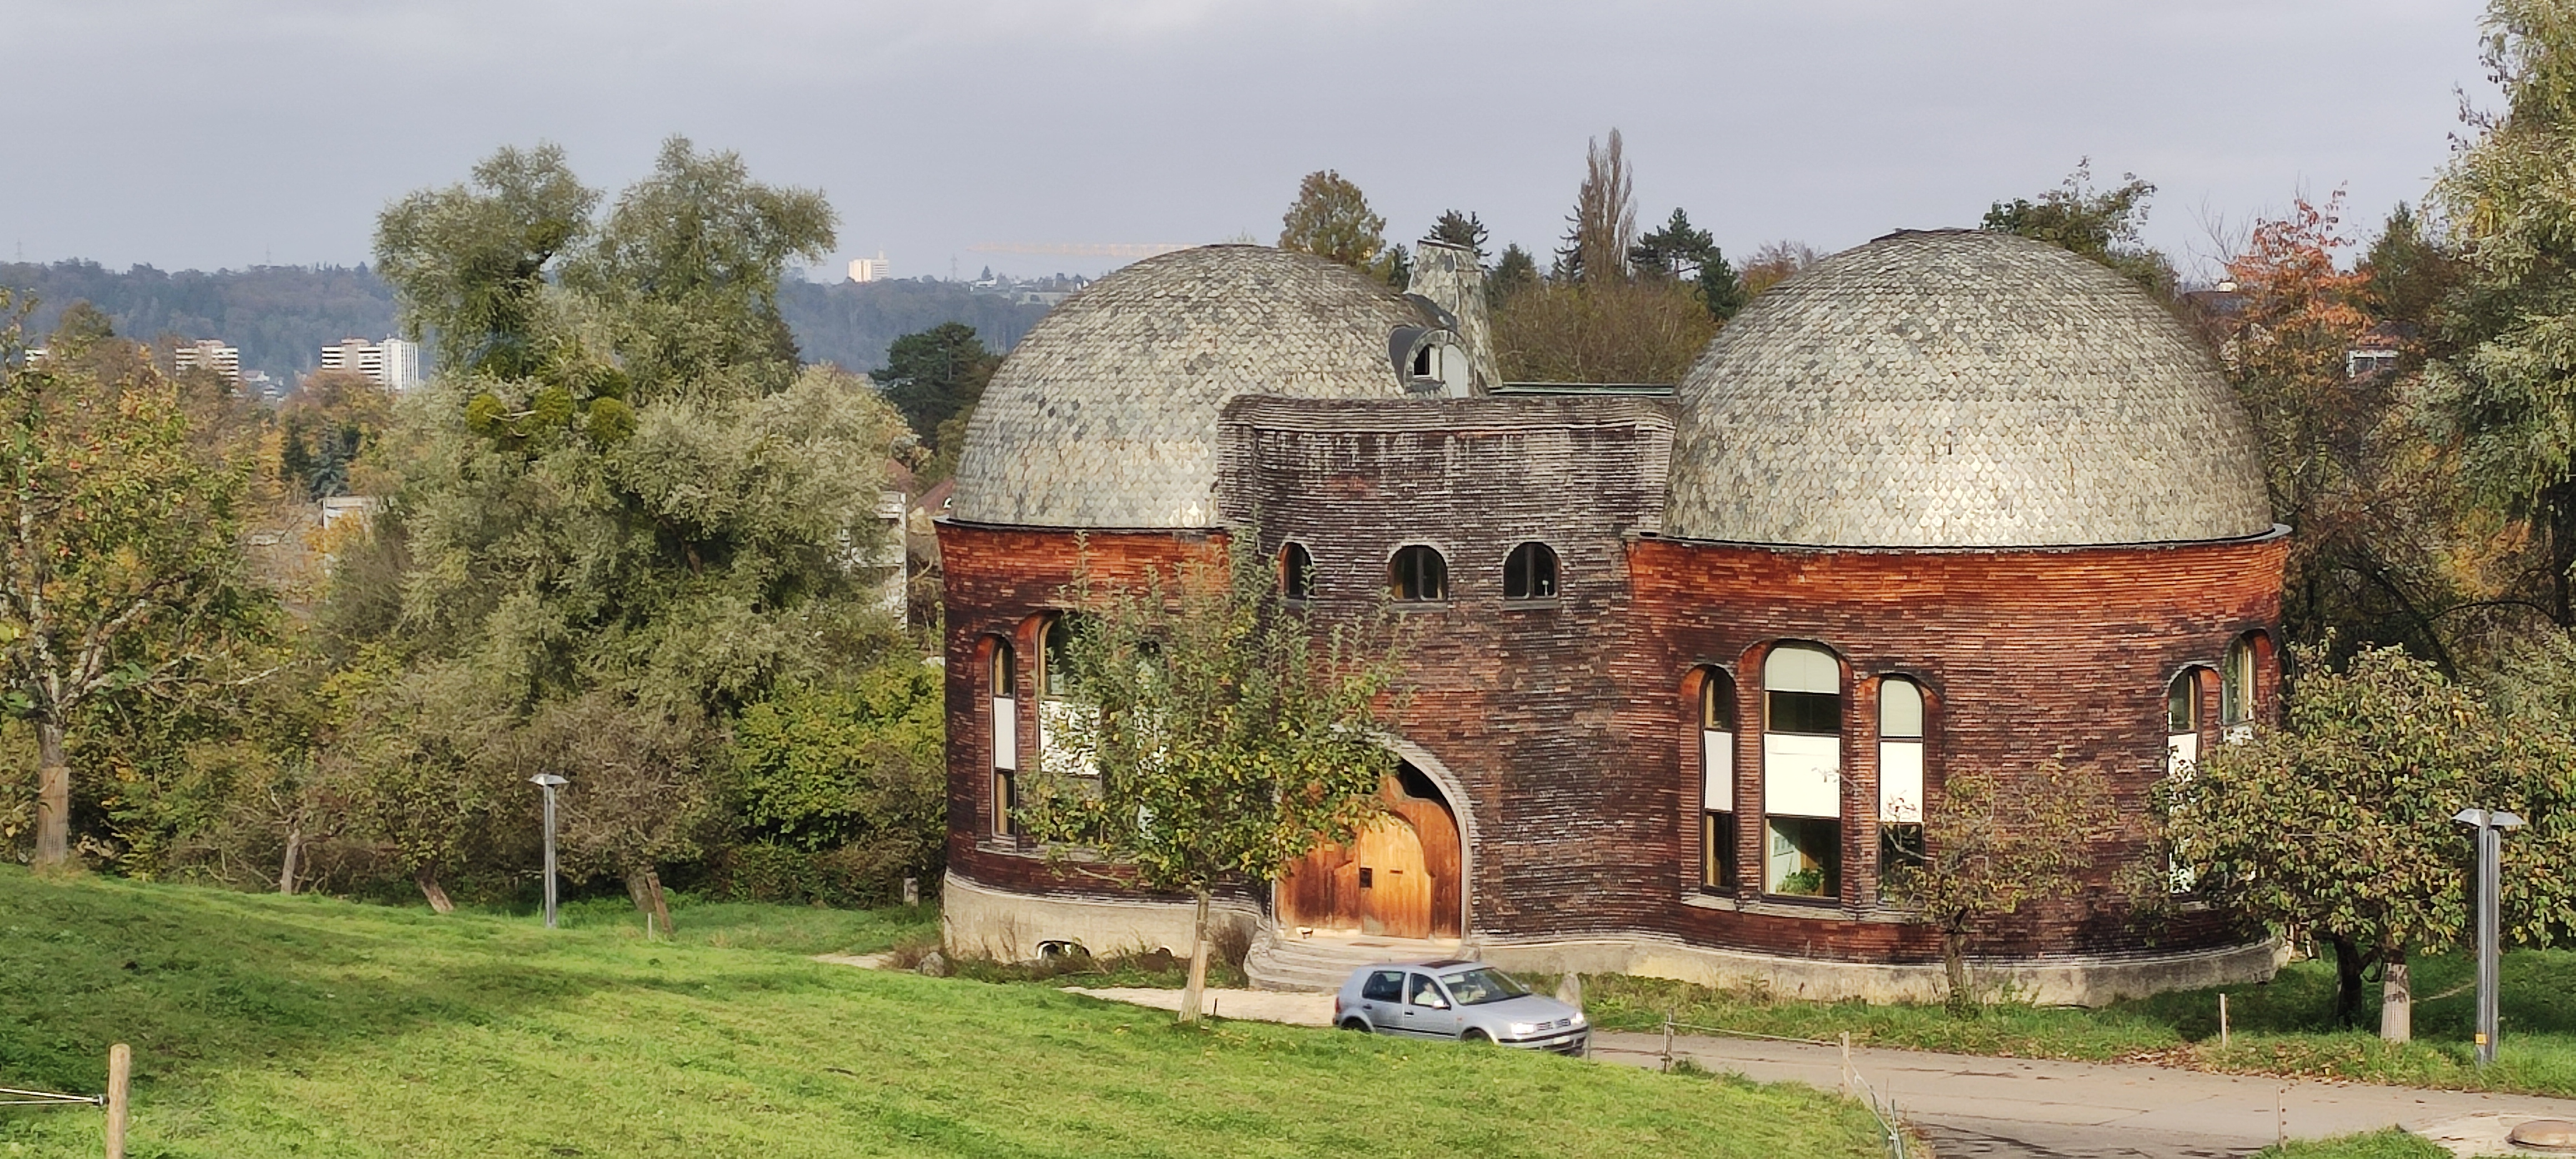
{"x": 470, "y": 263}
{"x": 2339, "y": 822}
{"x": 936, "y": 375}
{"x": 1680, "y": 251}
{"x": 2101, "y": 224}
{"x": 1331, "y": 218}
{"x": 122, "y": 574}
{"x": 1603, "y": 227}
{"x": 1226, "y": 734}
{"x": 2503, "y": 378}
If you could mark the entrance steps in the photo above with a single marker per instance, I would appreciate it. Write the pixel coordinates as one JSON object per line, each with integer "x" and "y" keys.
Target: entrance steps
{"x": 1281, "y": 960}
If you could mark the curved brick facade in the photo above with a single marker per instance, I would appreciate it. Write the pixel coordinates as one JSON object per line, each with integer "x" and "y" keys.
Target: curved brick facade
{"x": 1566, "y": 727}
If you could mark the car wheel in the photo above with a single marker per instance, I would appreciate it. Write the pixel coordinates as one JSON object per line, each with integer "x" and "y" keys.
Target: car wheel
{"x": 1355, "y": 1024}
{"x": 1477, "y": 1037}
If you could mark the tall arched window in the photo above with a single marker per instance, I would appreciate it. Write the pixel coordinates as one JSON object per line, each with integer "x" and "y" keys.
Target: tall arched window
{"x": 1716, "y": 781}
{"x": 1002, "y": 681}
{"x": 1802, "y": 771}
{"x": 1419, "y": 574}
{"x": 1530, "y": 573}
{"x": 2236, "y": 690}
{"x": 2182, "y": 722}
{"x": 1296, "y": 572}
{"x": 1900, "y": 771}
{"x": 1057, "y": 704}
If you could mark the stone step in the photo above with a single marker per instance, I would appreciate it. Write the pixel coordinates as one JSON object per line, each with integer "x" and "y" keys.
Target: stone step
{"x": 1277, "y": 963}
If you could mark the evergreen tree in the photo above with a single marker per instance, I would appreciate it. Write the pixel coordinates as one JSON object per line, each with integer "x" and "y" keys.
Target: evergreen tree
{"x": 1460, "y": 229}
{"x": 936, "y": 375}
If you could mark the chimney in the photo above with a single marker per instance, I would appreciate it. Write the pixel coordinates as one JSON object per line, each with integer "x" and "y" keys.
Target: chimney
{"x": 1450, "y": 278}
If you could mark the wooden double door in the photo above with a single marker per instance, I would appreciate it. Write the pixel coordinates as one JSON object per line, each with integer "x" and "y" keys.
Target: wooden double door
{"x": 1399, "y": 879}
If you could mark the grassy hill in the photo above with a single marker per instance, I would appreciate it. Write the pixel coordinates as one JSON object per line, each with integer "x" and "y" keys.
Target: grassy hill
{"x": 306, "y": 1026}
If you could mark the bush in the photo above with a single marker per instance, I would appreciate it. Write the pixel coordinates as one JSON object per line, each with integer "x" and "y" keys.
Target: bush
{"x": 1632, "y": 332}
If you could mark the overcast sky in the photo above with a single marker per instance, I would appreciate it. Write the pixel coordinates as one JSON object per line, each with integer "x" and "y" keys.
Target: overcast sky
{"x": 204, "y": 133}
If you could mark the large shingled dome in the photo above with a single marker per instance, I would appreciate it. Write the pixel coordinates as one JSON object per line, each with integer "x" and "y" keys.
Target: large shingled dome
{"x": 1105, "y": 415}
{"x": 1961, "y": 389}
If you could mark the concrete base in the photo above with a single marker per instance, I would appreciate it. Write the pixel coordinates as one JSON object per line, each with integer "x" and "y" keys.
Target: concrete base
{"x": 980, "y": 921}
{"x": 2052, "y": 981}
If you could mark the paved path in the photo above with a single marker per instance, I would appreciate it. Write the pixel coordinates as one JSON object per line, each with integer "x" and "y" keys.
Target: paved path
{"x": 2026, "y": 1108}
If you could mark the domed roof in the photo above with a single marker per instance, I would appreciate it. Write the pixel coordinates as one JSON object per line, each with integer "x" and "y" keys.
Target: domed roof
{"x": 1105, "y": 415}
{"x": 1960, "y": 389}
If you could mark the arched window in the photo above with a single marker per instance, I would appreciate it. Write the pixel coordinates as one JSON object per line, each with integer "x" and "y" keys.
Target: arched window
{"x": 2182, "y": 722}
{"x": 1002, "y": 681}
{"x": 1802, "y": 771}
{"x": 1530, "y": 573}
{"x": 1419, "y": 574}
{"x": 1056, "y": 704}
{"x": 1716, "y": 781}
{"x": 1296, "y": 572}
{"x": 1900, "y": 771}
{"x": 2236, "y": 689}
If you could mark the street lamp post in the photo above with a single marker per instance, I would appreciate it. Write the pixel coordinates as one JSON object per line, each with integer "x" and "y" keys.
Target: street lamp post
{"x": 2490, "y": 824}
{"x": 549, "y": 782}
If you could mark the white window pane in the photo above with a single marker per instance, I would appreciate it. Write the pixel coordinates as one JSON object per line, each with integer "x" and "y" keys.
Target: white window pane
{"x": 1006, "y": 733}
{"x": 1797, "y": 669}
{"x": 1717, "y": 771}
{"x": 1056, "y": 754}
{"x": 1900, "y": 709}
{"x": 1802, "y": 776}
{"x": 1900, "y": 781}
{"x": 2182, "y": 751}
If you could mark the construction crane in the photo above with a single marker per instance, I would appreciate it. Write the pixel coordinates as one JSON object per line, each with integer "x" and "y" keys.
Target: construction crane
{"x": 1079, "y": 249}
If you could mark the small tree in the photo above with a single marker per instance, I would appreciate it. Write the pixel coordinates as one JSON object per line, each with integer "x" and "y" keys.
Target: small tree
{"x": 1331, "y": 219}
{"x": 1227, "y": 738}
{"x": 637, "y": 798}
{"x": 1992, "y": 844}
{"x": 2339, "y": 822}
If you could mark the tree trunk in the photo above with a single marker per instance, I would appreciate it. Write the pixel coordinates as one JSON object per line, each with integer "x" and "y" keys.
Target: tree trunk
{"x": 294, "y": 855}
{"x": 1954, "y": 964}
{"x": 53, "y": 798}
{"x": 2348, "y": 966}
{"x": 425, "y": 875}
{"x": 645, "y": 886}
{"x": 2396, "y": 997}
{"x": 1194, "y": 995}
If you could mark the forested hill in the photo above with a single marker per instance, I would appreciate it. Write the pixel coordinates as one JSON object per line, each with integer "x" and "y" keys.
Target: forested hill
{"x": 281, "y": 316}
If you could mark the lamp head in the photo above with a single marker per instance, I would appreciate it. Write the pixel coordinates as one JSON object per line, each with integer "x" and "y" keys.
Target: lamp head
{"x": 548, "y": 780}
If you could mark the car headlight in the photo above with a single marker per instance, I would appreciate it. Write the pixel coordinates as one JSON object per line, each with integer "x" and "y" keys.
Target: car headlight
{"x": 1579, "y": 1023}
{"x": 1523, "y": 1029}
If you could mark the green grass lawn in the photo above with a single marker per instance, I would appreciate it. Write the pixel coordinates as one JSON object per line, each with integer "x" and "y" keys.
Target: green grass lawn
{"x": 306, "y": 1026}
{"x": 2388, "y": 1144}
{"x": 2279, "y": 1027}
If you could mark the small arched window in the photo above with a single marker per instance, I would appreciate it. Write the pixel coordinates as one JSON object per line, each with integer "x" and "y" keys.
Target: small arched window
{"x": 1055, "y": 670}
{"x": 1296, "y": 572}
{"x": 2236, "y": 688}
{"x": 1716, "y": 780}
{"x": 1530, "y": 573}
{"x": 1900, "y": 771}
{"x": 1002, "y": 679}
{"x": 1802, "y": 771}
{"x": 1057, "y": 752}
{"x": 1420, "y": 574}
{"x": 2182, "y": 722}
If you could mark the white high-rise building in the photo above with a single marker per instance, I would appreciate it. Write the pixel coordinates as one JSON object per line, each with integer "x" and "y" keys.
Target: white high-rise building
{"x": 209, "y": 354}
{"x": 394, "y": 364}
{"x": 872, "y": 269}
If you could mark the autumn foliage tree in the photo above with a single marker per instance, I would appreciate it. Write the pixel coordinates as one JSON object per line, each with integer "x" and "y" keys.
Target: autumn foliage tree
{"x": 1992, "y": 844}
{"x": 1331, "y": 218}
{"x": 122, "y": 574}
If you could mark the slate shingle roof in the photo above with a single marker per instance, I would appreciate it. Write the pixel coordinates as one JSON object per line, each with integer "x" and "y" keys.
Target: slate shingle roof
{"x": 1105, "y": 415}
{"x": 1960, "y": 389}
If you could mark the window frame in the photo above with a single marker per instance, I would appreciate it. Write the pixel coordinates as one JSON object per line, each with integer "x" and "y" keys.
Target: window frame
{"x": 1521, "y": 569}
{"x": 1398, "y": 578}
{"x": 1002, "y": 732}
{"x": 1902, "y": 745}
{"x": 1810, "y": 837}
{"x": 1296, "y": 572}
{"x": 1720, "y": 866}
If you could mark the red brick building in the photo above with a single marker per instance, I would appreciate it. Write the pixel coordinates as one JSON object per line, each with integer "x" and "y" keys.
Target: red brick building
{"x": 1690, "y": 663}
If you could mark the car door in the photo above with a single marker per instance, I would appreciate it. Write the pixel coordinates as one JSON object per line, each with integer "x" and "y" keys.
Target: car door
{"x": 1427, "y": 1010}
{"x": 1382, "y": 1000}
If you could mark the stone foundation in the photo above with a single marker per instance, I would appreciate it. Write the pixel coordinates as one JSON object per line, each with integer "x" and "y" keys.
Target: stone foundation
{"x": 978, "y": 921}
{"x": 2071, "y": 980}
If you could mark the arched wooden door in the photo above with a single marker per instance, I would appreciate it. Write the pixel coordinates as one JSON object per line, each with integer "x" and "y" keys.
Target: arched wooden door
{"x": 1395, "y": 886}
{"x": 1412, "y": 885}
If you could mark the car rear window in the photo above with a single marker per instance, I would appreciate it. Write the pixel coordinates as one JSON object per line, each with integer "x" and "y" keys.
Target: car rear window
{"x": 1481, "y": 985}
{"x": 1384, "y": 986}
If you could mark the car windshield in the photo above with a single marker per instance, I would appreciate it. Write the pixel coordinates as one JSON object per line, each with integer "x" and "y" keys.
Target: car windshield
{"x": 1481, "y": 985}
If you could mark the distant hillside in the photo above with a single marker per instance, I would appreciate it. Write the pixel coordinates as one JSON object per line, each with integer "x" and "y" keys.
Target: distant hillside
{"x": 281, "y": 316}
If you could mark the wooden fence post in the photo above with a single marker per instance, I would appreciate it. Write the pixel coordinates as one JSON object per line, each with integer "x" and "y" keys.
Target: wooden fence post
{"x": 1847, "y": 1066}
{"x": 120, "y": 1081}
{"x": 2222, "y": 1020}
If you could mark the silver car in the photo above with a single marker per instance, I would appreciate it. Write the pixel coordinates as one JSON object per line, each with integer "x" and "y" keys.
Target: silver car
{"x": 1454, "y": 999}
